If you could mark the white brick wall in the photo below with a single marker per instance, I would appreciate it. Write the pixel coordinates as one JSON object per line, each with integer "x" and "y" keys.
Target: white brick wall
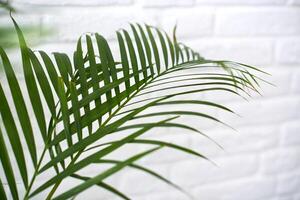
{"x": 262, "y": 160}
{"x": 260, "y": 21}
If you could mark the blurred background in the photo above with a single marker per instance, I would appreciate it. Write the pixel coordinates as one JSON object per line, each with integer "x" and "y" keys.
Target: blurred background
{"x": 261, "y": 161}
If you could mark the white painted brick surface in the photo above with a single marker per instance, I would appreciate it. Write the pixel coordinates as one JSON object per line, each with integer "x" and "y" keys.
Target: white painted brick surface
{"x": 296, "y": 82}
{"x": 238, "y": 2}
{"x": 247, "y": 140}
{"x": 262, "y": 160}
{"x": 75, "y": 2}
{"x": 242, "y": 50}
{"x": 77, "y": 21}
{"x": 290, "y": 133}
{"x": 258, "y": 22}
{"x": 297, "y": 196}
{"x": 281, "y": 160}
{"x": 295, "y": 2}
{"x": 253, "y": 188}
{"x": 201, "y": 172}
{"x": 203, "y": 19}
{"x": 288, "y": 183}
{"x": 167, "y": 3}
{"x": 288, "y": 51}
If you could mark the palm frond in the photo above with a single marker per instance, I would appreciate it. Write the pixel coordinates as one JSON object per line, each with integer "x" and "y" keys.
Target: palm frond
{"x": 92, "y": 95}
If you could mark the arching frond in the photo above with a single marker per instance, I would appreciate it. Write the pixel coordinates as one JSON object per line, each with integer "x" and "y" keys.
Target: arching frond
{"x": 79, "y": 100}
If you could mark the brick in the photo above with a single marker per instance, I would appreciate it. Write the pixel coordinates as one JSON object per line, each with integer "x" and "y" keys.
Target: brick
{"x": 75, "y": 2}
{"x": 167, "y": 155}
{"x": 280, "y": 160}
{"x": 94, "y": 193}
{"x": 237, "y": 2}
{"x": 288, "y": 51}
{"x": 258, "y": 22}
{"x": 157, "y": 195}
{"x": 297, "y": 196}
{"x": 295, "y": 82}
{"x": 255, "y": 112}
{"x": 295, "y": 2}
{"x": 257, "y": 189}
{"x": 167, "y": 3}
{"x": 193, "y": 172}
{"x": 280, "y": 77}
{"x": 288, "y": 183}
{"x": 93, "y": 20}
{"x": 190, "y": 23}
{"x": 250, "y": 51}
{"x": 201, "y": 122}
{"x": 251, "y": 188}
{"x": 285, "y": 197}
{"x": 290, "y": 133}
{"x": 245, "y": 140}
{"x": 152, "y": 183}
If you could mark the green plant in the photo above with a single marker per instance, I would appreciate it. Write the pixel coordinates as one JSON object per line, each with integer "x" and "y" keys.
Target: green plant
{"x": 93, "y": 96}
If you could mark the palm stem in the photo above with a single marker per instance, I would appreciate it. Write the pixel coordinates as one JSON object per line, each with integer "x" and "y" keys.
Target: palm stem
{"x": 51, "y": 193}
{"x": 59, "y": 182}
{"x": 51, "y": 129}
{"x": 35, "y": 173}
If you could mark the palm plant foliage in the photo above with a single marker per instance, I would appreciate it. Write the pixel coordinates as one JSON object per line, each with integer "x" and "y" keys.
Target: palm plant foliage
{"x": 92, "y": 95}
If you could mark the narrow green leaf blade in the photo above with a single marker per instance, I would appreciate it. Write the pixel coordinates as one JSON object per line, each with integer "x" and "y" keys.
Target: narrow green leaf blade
{"x": 63, "y": 64}
{"x": 7, "y": 167}
{"x": 163, "y": 46}
{"x": 154, "y": 48}
{"x": 51, "y": 71}
{"x": 103, "y": 185}
{"x": 31, "y": 83}
{"x": 133, "y": 58}
{"x": 64, "y": 110}
{"x": 167, "y": 144}
{"x": 147, "y": 48}
{"x": 20, "y": 106}
{"x": 43, "y": 82}
{"x": 75, "y": 108}
{"x": 124, "y": 59}
{"x": 13, "y": 136}
{"x": 93, "y": 70}
{"x": 104, "y": 61}
{"x": 79, "y": 64}
{"x": 146, "y": 170}
{"x": 2, "y": 191}
{"x": 140, "y": 50}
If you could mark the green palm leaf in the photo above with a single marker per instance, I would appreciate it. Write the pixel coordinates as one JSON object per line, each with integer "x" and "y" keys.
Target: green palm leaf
{"x": 92, "y": 95}
{"x": 103, "y": 185}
